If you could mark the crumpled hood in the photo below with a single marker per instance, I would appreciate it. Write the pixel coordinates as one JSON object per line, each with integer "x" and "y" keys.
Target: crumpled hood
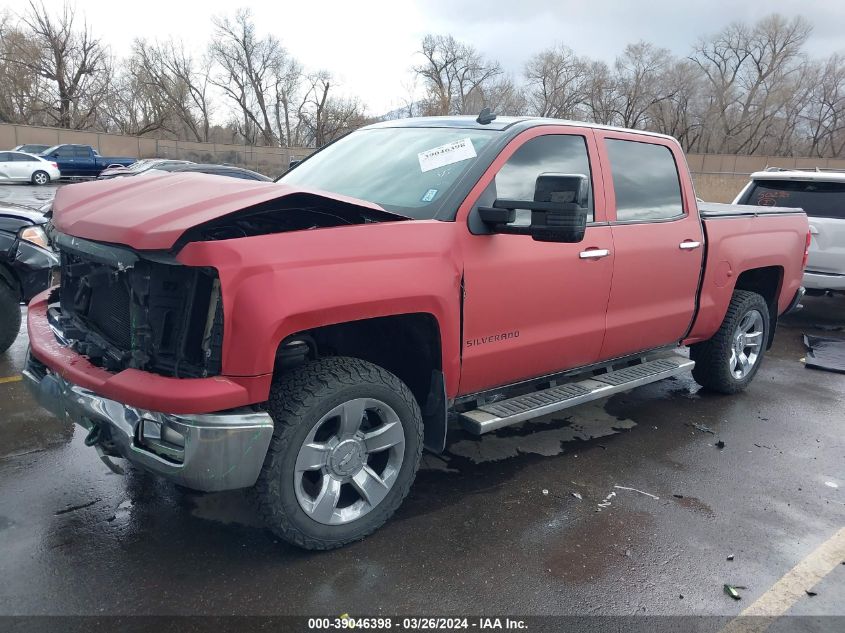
{"x": 152, "y": 212}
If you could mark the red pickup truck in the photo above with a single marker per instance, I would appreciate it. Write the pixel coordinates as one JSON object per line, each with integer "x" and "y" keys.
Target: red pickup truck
{"x": 306, "y": 338}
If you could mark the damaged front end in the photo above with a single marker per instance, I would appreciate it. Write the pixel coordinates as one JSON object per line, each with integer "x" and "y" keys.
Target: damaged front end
{"x": 121, "y": 309}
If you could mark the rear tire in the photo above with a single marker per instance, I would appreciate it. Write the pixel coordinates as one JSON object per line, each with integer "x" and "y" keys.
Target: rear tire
{"x": 40, "y": 178}
{"x": 728, "y": 362}
{"x": 10, "y": 316}
{"x": 346, "y": 446}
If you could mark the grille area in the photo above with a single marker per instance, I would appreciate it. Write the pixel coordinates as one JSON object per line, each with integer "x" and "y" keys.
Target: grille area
{"x": 121, "y": 310}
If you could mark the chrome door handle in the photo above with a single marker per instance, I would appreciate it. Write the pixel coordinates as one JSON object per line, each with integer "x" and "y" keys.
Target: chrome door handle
{"x": 689, "y": 245}
{"x": 594, "y": 253}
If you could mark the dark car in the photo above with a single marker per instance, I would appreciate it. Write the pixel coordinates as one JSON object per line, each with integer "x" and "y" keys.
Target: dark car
{"x": 82, "y": 161}
{"x": 216, "y": 170}
{"x": 26, "y": 265}
{"x": 31, "y": 148}
{"x": 139, "y": 167}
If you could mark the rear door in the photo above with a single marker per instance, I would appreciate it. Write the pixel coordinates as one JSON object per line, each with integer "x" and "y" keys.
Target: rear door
{"x": 22, "y": 166}
{"x": 533, "y": 308}
{"x": 658, "y": 239}
{"x": 84, "y": 161}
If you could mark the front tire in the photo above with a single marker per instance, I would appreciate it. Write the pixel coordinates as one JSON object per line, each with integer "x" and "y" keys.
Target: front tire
{"x": 346, "y": 446}
{"x": 728, "y": 362}
{"x": 40, "y": 178}
{"x": 10, "y": 316}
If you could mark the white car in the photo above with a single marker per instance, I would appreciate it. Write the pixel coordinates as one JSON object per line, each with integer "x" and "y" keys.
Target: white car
{"x": 821, "y": 193}
{"x": 23, "y": 167}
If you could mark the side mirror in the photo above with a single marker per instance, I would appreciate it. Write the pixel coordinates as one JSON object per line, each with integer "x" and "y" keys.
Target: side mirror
{"x": 558, "y": 212}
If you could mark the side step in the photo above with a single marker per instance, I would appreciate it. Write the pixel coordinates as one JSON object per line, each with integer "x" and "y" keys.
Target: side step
{"x": 532, "y": 405}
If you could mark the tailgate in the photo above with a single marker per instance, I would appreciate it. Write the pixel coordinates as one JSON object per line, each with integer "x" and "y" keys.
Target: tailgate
{"x": 827, "y": 249}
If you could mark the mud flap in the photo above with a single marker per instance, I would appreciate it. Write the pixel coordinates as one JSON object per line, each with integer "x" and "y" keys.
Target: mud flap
{"x": 435, "y": 415}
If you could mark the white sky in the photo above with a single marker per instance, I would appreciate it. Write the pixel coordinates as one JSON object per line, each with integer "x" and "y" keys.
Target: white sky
{"x": 370, "y": 45}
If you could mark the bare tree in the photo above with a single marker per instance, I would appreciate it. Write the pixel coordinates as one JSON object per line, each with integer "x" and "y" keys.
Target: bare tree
{"x": 74, "y": 64}
{"x": 454, "y": 75}
{"x": 556, "y": 83}
{"x": 744, "y": 66}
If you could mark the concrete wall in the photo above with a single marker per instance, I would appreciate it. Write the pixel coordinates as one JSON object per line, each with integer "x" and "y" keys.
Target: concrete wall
{"x": 266, "y": 160}
{"x": 718, "y": 177}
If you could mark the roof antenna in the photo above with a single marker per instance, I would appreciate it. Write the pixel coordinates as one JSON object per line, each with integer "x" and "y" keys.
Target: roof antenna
{"x": 485, "y": 117}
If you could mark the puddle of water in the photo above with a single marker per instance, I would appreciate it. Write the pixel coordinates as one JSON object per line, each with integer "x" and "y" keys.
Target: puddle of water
{"x": 546, "y": 436}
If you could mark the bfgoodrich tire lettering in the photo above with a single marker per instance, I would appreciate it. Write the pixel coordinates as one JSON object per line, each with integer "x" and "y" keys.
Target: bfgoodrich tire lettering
{"x": 743, "y": 334}
{"x": 303, "y": 399}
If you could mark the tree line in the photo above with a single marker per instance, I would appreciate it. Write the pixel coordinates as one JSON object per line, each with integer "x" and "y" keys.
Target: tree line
{"x": 748, "y": 89}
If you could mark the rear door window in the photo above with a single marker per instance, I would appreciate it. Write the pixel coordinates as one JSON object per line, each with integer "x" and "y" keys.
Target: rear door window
{"x": 64, "y": 152}
{"x": 818, "y": 199}
{"x": 81, "y": 152}
{"x": 646, "y": 182}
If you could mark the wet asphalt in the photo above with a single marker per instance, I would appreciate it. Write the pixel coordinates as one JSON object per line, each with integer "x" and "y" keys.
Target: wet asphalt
{"x": 491, "y": 527}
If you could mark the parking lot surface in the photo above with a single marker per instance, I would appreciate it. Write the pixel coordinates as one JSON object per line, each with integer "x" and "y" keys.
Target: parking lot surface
{"x": 28, "y": 195}
{"x": 492, "y": 527}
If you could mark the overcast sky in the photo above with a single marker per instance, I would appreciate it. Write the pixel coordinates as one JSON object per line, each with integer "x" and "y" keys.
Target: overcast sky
{"x": 370, "y": 45}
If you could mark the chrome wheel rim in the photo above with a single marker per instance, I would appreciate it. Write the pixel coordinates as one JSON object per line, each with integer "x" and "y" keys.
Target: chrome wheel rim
{"x": 349, "y": 461}
{"x": 40, "y": 179}
{"x": 746, "y": 344}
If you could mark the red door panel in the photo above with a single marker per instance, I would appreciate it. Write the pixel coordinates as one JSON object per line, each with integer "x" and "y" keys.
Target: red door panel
{"x": 533, "y": 308}
{"x": 655, "y": 278}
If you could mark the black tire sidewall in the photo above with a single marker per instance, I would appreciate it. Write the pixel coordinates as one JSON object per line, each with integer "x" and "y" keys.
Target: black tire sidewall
{"x": 283, "y": 467}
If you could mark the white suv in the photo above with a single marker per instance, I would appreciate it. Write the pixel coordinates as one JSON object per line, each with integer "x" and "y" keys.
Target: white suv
{"x": 821, "y": 193}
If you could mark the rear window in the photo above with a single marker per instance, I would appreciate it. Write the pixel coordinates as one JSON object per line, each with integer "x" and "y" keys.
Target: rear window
{"x": 818, "y": 199}
{"x": 645, "y": 179}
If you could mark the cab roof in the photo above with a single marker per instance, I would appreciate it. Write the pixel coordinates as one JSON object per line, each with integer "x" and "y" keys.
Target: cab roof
{"x": 500, "y": 123}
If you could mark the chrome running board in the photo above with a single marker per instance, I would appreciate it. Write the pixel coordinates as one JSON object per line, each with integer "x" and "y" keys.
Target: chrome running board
{"x": 496, "y": 415}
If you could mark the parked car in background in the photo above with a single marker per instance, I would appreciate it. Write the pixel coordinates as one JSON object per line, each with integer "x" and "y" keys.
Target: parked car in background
{"x": 32, "y": 148}
{"x": 821, "y": 193}
{"x": 215, "y": 170}
{"x": 82, "y": 161}
{"x": 22, "y": 167}
{"x": 26, "y": 265}
{"x": 139, "y": 167}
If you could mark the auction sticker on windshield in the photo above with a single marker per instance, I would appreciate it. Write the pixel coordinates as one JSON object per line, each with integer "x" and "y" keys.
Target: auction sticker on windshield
{"x": 447, "y": 154}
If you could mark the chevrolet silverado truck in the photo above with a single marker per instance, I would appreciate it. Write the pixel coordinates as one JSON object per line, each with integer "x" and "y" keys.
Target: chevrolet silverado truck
{"x": 306, "y": 338}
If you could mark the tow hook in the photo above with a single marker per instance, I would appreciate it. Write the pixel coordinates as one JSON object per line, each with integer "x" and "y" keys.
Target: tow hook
{"x": 94, "y": 437}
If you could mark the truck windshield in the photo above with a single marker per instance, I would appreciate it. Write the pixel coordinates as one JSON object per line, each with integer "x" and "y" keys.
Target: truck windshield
{"x": 818, "y": 199}
{"x": 405, "y": 170}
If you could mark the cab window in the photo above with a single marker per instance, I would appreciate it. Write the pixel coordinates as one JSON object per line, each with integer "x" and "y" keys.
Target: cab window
{"x": 646, "y": 182}
{"x": 550, "y": 154}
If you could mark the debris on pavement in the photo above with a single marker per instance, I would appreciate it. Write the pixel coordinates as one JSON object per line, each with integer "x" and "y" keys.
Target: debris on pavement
{"x": 678, "y": 496}
{"x": 730, "y": 556}
{"x": 731, "y": 590}
{"x": 647, "y": 494}
{"x": 810, "y": 593}
{"x": 606, "y": 502}
{"x": 825, "y": 353}
{"x": 545, "y": 491}
{"x": 831, "y": 484}
{"x": 720, "y": 444}
{"x": 701, "y": 427}
{"x": 577, "y": 495}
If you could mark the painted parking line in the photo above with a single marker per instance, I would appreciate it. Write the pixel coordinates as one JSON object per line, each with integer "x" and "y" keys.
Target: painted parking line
{"x": 11, "y": 379}
{"x": 791, "y": 588}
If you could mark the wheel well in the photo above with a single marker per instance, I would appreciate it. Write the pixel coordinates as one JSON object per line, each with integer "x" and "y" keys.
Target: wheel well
{"x": 407, "y": 345}
{"x": 767, "y": 283}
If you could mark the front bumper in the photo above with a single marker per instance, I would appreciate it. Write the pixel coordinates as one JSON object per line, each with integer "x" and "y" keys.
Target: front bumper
{"x": 823, "y": 281}
{"x": 214, "y": 451}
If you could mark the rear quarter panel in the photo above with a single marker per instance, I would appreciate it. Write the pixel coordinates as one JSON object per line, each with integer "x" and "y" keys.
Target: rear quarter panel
{"x": 738, "y": 244}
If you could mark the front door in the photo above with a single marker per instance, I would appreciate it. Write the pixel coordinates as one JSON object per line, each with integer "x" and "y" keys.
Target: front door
{"x": 533, "y": 308}
{"x": 659, "y": 243}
